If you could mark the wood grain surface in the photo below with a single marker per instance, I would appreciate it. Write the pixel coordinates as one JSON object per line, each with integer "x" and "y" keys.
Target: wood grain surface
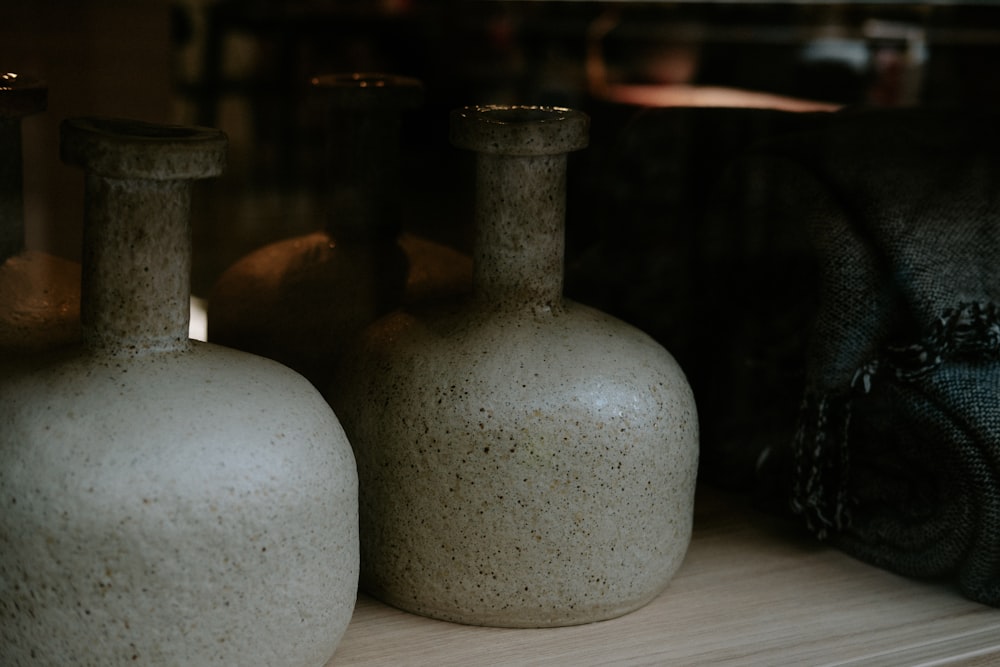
{"x": 752, "y": 591}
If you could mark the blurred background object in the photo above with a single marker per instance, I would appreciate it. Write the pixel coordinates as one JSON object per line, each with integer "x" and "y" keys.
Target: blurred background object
{"x": 243, "y": 65}
{"x": 676, "y": 91}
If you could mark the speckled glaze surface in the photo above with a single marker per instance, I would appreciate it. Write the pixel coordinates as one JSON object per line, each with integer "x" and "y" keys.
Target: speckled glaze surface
{"x": 165, "y": 501}
{"x": 524, "y": 460}
{"x": 39, "y": 293}
{"x": 301, "y": 300}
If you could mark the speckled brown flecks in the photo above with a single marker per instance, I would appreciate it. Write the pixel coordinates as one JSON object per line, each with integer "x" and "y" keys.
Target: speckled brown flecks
{"x": 524, "y": 460}
{"x": 162, "y": 501}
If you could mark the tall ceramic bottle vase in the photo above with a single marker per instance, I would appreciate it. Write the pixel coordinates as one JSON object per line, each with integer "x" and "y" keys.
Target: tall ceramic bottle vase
{"x": 39, "y": 292}
{"x": 524, "y": 460}
{"x": 300, "y": 301}
{"x": 165, "y": 501}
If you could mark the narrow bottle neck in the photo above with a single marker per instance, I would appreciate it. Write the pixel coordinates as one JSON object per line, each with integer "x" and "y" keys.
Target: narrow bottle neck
{"x": 11, "y": 188}
{"x": 136, "y": 280}
{"x": 362, "y": 165}
{"x": 519, "y": 247}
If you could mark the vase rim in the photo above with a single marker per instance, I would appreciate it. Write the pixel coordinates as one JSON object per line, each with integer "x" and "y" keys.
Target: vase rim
{"x": 128, "y": 148}
{"x": 521, "y": 113}
{"x": 369, "y": 90}
{"x": 523, "y": 130}
{"x": 21, "y": 94}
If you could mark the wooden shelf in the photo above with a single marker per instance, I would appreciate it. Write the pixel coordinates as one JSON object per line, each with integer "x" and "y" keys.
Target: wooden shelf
{"x": 751, "y": 591}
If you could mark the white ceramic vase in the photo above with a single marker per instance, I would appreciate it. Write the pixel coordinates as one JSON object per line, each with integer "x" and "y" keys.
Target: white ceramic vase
{"x": 524, "y": 460}
{"x": 302, "y": 300}
{"x": 165, "y": 501}
{"x": 39, "y": 292}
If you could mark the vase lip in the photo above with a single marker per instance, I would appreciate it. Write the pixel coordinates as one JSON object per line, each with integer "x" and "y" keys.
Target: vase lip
{"x": 519, "y": 129}
{"x": 21, "y": 94}
{"x": 369, "y": 90}
{"x": 128, "y": 148}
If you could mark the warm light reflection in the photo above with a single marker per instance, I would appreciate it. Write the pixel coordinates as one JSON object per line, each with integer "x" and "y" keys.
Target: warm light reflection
{"x": 708, "y": 96}
{"x": 198, "y": 328}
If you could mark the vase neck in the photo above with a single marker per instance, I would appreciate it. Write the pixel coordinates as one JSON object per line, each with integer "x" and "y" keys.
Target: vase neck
{"x": 521, "y": 155}
{"x": 11, "y": 189}
{"x": 363, "y": 123}
{"x": 135, "y": 291}
{"x": 362, "y": 174}
{"x": 136, "y": 264}
{"x": 520, "y": 209}
{"x": 20, "y": 96}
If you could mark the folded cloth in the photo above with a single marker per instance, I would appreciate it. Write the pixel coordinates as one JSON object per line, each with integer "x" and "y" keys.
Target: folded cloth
{"x": 896, "y": 458}
{"x": 834, "y": 302}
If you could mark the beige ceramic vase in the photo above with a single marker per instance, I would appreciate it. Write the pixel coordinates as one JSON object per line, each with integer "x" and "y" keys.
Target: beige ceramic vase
{"x": 165, "y": 501}
{"x": 524, "y": 460}
{"x": 301, "y": 300}
{"x": 39, "y": 292}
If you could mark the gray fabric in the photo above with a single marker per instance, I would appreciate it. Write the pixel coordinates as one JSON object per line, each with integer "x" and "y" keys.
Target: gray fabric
{"x": 897, "y": 454}
{"x": 832, "y": 297}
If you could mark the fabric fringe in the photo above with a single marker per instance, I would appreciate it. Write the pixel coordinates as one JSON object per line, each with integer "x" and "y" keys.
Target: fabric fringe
{"x": 821, "y": 449}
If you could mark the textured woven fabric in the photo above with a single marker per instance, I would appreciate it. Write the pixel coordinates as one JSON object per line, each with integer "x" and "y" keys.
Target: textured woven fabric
{"x": 833, "y": 297}
{"x": 896, "y": 458}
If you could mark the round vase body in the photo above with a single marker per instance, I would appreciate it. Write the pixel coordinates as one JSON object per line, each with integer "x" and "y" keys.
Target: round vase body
{"x": 524, "y": 460}
{"x": 165, "y": 501}
{"x": 519, "y": 469}
{"x": 187, "y": 508}
{"x": 39, "y": 302}
{"x": 39, "y": 292}
{"x": 301, "y": 301}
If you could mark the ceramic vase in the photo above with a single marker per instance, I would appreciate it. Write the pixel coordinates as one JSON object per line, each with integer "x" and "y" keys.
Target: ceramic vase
{"x": 300, "y": 301}
{"x": 39, "y": 292}
{"x": 524, "y": 460}
{"x": 165, "y": 501}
